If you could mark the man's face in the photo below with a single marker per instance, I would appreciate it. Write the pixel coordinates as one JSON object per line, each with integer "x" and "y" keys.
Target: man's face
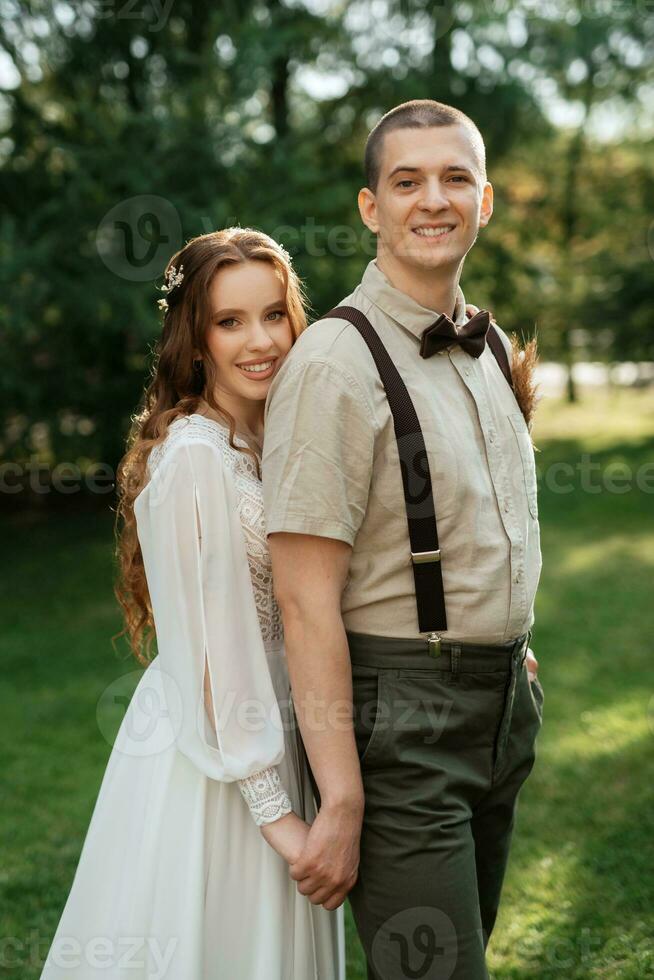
{"x": 430, "y": 200}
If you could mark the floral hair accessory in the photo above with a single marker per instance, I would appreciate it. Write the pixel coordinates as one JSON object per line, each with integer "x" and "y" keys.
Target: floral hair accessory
{"x": 173, "y": 278}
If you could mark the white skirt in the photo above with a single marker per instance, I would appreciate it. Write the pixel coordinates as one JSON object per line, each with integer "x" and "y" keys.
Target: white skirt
{"x": 175, "y": 881}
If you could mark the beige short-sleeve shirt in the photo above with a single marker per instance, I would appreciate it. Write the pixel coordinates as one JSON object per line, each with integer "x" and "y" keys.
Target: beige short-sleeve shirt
{"x": 331, "y": 468}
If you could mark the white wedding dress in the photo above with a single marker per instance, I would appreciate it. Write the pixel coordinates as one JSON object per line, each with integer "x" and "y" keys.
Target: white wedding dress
{"x": 175, "y": 881}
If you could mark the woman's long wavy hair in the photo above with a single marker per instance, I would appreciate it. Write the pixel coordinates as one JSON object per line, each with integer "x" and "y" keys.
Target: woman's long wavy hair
{"x": 179, "y": 382}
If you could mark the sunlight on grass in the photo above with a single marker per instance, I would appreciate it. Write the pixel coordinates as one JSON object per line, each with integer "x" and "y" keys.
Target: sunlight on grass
{"x": 600, "y": 418}
{"x": 522, "y": 942}
{"x": 610, "y": 551}
{"x": 547, "y": 940}
{"x": 604, "y": 732}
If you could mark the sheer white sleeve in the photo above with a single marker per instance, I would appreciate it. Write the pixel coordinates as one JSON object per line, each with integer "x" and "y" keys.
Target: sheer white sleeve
{"x": 219, "y": 692}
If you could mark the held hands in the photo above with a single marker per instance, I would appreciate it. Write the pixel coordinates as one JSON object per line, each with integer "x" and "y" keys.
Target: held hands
{"x": 328, "y": 866}
{"x": 323, "y": 858}
{"x": 287, "y": 836}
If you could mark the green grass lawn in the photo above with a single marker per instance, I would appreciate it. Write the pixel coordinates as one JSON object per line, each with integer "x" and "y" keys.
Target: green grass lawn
{"x": 579, "y": 894}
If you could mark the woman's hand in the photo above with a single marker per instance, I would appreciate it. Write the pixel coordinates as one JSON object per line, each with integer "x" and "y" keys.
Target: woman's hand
{"x": 287, "y": 836}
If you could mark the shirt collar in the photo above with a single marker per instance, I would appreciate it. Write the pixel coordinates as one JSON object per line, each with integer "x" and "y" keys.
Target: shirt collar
{"x": 402, "y": 308}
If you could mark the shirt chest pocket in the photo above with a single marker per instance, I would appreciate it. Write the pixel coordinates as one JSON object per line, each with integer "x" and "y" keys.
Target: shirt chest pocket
{"x": 527, "y": 459}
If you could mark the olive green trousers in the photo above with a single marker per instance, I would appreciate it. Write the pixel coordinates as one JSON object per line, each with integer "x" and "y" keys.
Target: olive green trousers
{"x": 445, "y": 743}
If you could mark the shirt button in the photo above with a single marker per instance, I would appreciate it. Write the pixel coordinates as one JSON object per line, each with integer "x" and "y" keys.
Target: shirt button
{"x": 507, "y": 507}
{"x": 491, "y": 437}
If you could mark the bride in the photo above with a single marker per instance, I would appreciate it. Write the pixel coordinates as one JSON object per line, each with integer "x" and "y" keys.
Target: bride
{"x": 206, "y": 799}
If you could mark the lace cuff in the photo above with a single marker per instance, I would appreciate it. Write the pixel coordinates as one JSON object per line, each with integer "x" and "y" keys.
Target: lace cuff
{"x": 265, "y": 796}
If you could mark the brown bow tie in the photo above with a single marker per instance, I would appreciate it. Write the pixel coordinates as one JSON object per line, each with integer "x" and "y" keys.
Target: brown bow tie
{"x": 443, "y": 333}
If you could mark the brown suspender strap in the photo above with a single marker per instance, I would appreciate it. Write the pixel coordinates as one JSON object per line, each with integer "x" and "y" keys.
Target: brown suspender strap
{"x": 416, "y": 479}
{"x": 498, "y": 349}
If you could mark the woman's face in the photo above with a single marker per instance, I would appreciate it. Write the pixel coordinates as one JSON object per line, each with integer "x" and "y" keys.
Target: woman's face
{"x": 249, "y": 332}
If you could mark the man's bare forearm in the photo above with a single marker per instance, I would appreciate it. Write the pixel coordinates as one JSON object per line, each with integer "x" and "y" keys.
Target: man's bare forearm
{"x": 321, "y": 680}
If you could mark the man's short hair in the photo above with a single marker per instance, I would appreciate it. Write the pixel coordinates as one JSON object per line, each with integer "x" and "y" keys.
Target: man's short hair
{"x": 417, "y": 114}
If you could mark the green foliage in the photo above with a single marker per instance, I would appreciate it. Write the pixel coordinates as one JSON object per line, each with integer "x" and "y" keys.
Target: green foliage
{"x": 133, "y": 127}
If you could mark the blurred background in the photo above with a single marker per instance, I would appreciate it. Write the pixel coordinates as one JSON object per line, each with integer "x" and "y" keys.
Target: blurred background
{"x": 129, "y": 126}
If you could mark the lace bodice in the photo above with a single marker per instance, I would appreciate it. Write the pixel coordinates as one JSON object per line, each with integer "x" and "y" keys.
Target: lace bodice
{"x": 251, "y": 513}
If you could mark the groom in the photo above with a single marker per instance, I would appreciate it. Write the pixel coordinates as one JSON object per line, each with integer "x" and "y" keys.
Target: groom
{"x": 401, "y": 508}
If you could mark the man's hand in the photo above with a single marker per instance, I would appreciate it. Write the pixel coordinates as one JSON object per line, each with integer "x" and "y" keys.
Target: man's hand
{"x": 532, "y": 664}
{"x": 328, "y": 866}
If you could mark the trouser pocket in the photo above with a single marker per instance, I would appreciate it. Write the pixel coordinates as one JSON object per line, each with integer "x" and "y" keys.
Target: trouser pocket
{"x": 372, "y": 711}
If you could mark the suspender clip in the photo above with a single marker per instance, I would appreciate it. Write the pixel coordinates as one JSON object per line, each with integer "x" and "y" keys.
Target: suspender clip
{"x": 421, "y": 557}
{"x": 434, "y": 644}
